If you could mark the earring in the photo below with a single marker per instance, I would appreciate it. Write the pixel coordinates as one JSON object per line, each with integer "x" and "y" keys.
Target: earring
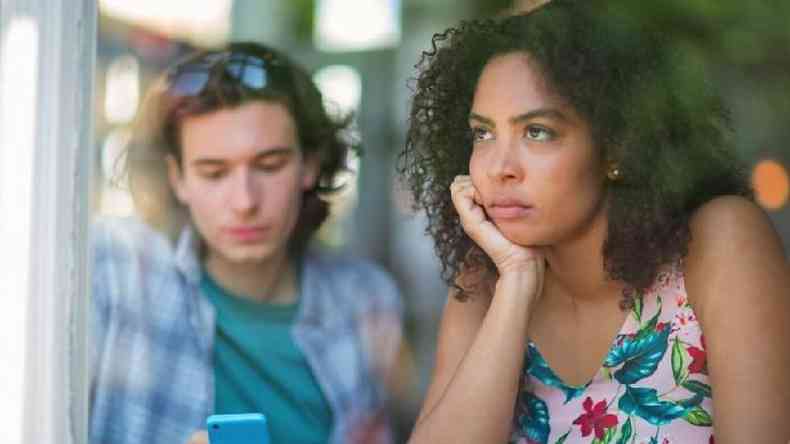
{"x": 614, "y": 174}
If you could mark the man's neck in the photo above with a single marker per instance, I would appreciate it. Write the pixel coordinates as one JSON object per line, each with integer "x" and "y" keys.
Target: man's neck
{"x": 272, "y": 280}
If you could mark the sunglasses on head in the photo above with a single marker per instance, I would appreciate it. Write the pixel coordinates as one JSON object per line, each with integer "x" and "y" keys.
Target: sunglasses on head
{"x": 250, "y": 71}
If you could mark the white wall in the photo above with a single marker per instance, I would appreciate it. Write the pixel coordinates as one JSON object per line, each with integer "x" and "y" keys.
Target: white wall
{"x": 47, "y": 57}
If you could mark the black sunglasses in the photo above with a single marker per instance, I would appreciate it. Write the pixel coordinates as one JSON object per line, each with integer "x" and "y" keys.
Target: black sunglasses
{"x": 250, "y": 71}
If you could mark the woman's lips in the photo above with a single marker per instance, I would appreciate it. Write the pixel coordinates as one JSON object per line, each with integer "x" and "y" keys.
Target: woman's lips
{"x": 508, "y": 212}
{"x": 508, "y": 208}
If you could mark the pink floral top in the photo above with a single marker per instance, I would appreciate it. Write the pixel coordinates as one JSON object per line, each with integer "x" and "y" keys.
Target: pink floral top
{"x": 652, "y": 387}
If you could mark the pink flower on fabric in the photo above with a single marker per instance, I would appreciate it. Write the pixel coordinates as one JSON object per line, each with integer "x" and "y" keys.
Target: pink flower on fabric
{"x": 595, "y": 418}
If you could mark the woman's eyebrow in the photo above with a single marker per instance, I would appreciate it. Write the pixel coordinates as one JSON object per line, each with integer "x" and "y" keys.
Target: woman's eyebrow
{"x": 551, "y": 113}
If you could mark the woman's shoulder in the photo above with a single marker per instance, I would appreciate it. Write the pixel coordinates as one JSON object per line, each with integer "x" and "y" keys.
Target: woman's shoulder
{"x": 731, "y": 210}
{"x": 727, "y": 224}
{"x": 730, "y": 233}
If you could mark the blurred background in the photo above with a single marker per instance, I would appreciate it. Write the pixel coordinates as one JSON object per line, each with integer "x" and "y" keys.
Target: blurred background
{"x": 362, "y": 54}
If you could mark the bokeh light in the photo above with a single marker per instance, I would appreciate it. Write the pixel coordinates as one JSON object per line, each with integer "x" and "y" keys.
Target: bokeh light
{"x": 771, "y": 184}
{"x": 122, "y": 94}
{"x": 357, "y": 25}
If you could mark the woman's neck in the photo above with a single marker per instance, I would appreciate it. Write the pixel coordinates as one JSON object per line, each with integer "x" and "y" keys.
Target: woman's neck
{"x": 576, "y": 267}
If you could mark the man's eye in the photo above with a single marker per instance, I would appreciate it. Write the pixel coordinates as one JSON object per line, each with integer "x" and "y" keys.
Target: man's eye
{"x": 479, "y": 134}
{"x": 212, "y": 174}
{"x": 271, "y": 165}
{"x": 538, "y": 133}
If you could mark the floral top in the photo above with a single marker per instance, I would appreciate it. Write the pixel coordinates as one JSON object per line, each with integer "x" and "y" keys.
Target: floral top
{"x": 652, "y": 387}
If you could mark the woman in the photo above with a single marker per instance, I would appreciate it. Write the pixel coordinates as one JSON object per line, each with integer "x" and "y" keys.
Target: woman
{"x": 610, "y": 276}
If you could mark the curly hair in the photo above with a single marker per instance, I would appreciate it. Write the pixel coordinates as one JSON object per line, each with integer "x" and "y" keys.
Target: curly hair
{"x": 157, "y": 134}
{"x": 650, "y": 111}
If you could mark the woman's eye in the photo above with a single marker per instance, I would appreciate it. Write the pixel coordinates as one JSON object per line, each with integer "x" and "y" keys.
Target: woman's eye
{"x": 538, "y": 133}
{"x": 479, "y": 134}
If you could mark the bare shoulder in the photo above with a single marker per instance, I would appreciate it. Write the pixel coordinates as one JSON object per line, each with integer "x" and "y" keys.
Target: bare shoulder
{"x": 726, "y": 217}
{"x": 732, "y": 242}
{"x": 737, "y": 281}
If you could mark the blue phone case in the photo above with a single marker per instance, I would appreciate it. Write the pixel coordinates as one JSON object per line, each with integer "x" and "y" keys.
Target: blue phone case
{"x": 247, "y": 428}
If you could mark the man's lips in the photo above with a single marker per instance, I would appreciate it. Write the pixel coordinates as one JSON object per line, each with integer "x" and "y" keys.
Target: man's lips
{"x": 246, "y": 234}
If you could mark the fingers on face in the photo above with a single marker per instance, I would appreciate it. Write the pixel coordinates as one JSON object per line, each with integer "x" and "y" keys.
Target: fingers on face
{"x": 460, "y": 183}
{"x": 463, "y": 186}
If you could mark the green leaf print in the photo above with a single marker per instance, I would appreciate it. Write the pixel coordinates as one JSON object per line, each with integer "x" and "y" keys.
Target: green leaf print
{"x": 607, "y": 437}
{"x": 637, "y": 308}
{"x": 641, "y": 356}
{"x": 625, "y": 432}
{"x": 533, "y": 418}
{"x": 563, "y": 437}
{"x": 699, "y": 417}
{"x": 691, "y": 402}
{"x": 679, "y": 371}
{"x": 541, "y": 371}
{"x": 698, "y": 387}
{"x": 644, "y": 403}
{"x": 650, "y": 327}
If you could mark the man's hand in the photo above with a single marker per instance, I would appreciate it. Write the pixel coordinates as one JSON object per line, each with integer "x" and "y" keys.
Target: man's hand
{"x": 199, "y": 437}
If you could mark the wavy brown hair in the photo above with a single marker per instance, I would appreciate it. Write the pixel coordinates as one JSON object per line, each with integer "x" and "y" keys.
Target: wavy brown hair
{"x": 650, "y": 110}
{"x": 157, "y": 135}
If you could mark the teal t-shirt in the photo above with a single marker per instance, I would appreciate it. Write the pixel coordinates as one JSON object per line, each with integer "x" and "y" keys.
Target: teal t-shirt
{"x": 259, "y": 368}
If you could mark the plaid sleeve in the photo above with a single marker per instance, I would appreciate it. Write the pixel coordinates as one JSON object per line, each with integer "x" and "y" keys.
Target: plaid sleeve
{"x": 100, "y": 297}
{"x": 381, "y": 323}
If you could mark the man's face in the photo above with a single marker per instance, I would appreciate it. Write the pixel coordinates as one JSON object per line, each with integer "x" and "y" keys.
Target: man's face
{"x": 242, "y": 175}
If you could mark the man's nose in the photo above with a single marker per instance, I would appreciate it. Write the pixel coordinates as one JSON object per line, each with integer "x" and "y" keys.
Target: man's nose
{"x": 244, "y": 194}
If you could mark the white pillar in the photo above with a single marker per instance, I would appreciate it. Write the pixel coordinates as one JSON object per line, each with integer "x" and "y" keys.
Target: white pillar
{"x": 47, "y": 58}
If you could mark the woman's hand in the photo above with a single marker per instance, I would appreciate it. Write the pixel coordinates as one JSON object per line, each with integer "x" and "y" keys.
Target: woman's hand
{"x": 507, "y": 256}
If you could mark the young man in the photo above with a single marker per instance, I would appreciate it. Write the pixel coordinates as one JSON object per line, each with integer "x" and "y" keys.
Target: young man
{"x": 232, "y": 313}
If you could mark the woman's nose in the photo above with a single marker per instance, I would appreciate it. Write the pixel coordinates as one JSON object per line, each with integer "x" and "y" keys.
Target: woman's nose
{"x": 505, "y": 163}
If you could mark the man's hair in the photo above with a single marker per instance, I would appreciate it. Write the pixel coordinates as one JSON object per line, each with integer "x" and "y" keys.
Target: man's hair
{"x": 157, "y": 132}
{"x": 649, "y": 109}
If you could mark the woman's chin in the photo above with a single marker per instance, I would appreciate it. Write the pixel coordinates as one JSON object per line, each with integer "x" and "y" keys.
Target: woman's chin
{"x": 522, "y": 238}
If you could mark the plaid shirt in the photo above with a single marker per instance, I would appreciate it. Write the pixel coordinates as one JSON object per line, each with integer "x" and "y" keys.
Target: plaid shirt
{"x": 152, "y": 362}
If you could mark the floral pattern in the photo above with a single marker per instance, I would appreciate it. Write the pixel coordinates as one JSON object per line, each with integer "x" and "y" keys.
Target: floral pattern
{"x": 652, "y": 387}
{"x": 595, "y": 418}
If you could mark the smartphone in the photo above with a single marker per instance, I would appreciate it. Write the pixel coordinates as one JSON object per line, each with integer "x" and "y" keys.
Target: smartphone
{"x": 245, "y": 428}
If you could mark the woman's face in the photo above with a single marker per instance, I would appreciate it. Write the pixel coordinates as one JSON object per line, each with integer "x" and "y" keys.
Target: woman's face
{"x": 534, "y": 163}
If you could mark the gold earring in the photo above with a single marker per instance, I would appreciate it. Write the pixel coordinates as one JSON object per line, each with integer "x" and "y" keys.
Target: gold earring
{"x": 614, "y": 174}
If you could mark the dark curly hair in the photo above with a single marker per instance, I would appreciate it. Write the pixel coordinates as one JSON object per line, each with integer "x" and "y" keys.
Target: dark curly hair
{"x": 157, "y": 131}
{"x": 650, "y": 111}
